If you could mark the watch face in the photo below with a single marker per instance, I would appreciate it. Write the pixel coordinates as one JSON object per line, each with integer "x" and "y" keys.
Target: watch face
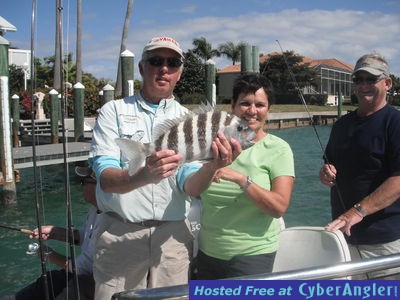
{"x": 360, "y": 209}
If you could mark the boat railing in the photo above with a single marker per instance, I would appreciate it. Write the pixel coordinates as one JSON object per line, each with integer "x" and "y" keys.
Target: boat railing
{"x": 340, "y": 270}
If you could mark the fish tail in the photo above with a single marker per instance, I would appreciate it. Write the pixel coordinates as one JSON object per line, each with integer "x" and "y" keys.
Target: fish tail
{"x": 135, "y": 151}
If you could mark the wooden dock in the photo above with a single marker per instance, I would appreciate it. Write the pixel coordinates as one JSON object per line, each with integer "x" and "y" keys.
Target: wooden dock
{"x": 50, "y": 154}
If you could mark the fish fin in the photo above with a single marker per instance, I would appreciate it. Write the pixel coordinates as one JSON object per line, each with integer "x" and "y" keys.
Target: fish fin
{"x": 135, "y": 151}
{"x": 204, "y": 108}
{"x": 165, "y": 126}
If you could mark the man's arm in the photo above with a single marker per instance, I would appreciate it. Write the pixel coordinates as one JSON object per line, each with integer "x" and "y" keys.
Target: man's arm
{"x": 386, "y": 194}
{"x": 159, "y": 165}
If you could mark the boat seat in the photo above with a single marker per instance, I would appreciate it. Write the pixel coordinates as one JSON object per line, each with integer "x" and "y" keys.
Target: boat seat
{"x": 305, "y": 247}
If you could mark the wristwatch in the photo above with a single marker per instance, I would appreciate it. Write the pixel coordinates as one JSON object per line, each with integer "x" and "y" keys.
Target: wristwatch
{"x": 360, "y": 209}
{"x": 249, "y": 181}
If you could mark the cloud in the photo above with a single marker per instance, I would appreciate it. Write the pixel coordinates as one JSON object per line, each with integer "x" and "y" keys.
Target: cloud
{"x": 188, "y": 9}
{"x": 341, "y": 34}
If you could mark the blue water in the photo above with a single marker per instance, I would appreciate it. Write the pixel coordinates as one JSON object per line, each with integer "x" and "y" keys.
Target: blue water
{"x": 309, "y": 205}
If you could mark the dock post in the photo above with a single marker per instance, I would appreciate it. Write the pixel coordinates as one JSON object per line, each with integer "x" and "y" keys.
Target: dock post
{"x": 127, "y": 73}
{"x": 7, "y": 168}
{"x": 101, "y": 101}
{"x": 210, "y": 81}
{"x": 246, "y": 61}
{"x": 15, "y": 120}
{"x": 339, "y": 112}
{"x": 54, "y": 115}
{"x": 255, "y": 59}
{"x": 79, "y": 95}
{"x": 108, "y": 93}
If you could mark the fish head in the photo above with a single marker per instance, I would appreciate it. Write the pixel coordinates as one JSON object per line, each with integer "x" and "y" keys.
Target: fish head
{"x": 239, "y": 130}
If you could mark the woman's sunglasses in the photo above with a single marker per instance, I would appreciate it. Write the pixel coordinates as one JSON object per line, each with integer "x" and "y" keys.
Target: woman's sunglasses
{"x": 158, "y": 61}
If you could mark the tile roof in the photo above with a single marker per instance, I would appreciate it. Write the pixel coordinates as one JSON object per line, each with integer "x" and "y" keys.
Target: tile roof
{"x": 330, "y": 62}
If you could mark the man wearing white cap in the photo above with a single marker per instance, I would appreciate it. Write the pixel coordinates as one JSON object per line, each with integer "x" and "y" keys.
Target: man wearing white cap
{"x": 362, "y": 167}
{"x": 145, "y": 239}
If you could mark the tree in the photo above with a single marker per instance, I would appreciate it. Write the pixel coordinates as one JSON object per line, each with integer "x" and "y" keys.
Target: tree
{"x": 395, "y": 90}
{"x": 68, "y": 67}
{"x": 204, "y": 49}
{"x": 231, "y": 51}
{"x": 192, "y": 83}
{"x": 118, "y": 84}
{"x": 15, "y": 79}
{"x": 275, "y": 69}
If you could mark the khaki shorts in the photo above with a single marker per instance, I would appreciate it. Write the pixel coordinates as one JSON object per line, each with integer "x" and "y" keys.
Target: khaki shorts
{"x": 130, "y": 256}
{"x": 370, "y": 251}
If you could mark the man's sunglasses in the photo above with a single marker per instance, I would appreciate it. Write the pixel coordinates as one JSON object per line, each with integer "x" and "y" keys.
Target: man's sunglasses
{"x": 158, "y": 61}
{"x": 368, "y": 80}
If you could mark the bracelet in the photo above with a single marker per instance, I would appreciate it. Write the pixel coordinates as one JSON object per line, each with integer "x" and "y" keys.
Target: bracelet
{"x": 360, "y": 209}
{"x": 249, "y": 181}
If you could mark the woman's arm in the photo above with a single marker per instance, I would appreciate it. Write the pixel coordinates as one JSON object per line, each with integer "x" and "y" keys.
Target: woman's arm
{"x": 273, "y": 202}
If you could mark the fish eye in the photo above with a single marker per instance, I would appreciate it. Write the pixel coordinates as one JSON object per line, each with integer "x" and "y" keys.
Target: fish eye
{"x": 240, "y": 128}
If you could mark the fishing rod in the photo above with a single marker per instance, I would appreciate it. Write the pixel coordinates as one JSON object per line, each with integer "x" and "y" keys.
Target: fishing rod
{"x": 37, "y": 202}
{"x": 70, "y": 226}
{"x": 326, "y": 160}
{"x": 302, "y": 98}
{"x": 27, "y": 231}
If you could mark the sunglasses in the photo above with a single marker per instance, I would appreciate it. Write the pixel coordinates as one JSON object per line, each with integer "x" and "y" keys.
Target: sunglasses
{"x": 368, "y": 80}
{"x": 158, "y": 61}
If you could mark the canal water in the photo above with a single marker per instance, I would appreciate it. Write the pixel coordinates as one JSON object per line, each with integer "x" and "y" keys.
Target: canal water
{"x": 309, "y": 205}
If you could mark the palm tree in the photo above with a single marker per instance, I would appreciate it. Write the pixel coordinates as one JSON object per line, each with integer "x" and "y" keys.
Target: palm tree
{"x": 79, "y": 41}
{"x": 118, "y": 85}
{"x": 231, "y": 50}
{"x": 203, "y": 49}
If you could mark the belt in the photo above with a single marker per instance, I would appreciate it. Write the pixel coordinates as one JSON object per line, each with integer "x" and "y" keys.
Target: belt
{"x": 146, "y": 223}
{"x": 150, "y": 223}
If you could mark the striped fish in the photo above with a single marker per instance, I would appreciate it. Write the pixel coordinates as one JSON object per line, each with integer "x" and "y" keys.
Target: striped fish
{"x": 190, "y": 135}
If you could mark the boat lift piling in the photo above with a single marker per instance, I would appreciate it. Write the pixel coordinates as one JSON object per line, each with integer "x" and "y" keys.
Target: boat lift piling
{"x": 15, "y": 120}
{"x": 55, "y": 112}
{"x": 210, "y": 74}
{"x": 108, "y": 93}
{"x": 7, "y": 169}
{"x": 79, "y": 96}
{"x": 127, "y": 59}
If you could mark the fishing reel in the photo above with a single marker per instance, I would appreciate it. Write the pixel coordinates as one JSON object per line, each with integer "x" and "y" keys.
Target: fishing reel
{"x": 34, "y": 249}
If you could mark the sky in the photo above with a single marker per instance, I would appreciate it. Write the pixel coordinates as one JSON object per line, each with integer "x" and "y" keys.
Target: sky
{"x": 319, "y": 29}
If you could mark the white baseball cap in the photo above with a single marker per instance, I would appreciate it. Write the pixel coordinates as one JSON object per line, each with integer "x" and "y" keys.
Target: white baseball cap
{"x": 163, "y": 42}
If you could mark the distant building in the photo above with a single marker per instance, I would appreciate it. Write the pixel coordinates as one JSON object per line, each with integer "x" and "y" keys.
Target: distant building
{"x": 333, "y": 74}
{"x": 6, "y": 26}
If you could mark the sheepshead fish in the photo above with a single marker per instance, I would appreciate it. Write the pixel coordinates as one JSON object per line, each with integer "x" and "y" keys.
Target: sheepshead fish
{"x": 190, "y": 135}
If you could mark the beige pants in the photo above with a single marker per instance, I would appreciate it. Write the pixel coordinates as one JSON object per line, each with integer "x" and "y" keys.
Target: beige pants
{"x": 369, "y": 251}
{"x": 129, "y": 256}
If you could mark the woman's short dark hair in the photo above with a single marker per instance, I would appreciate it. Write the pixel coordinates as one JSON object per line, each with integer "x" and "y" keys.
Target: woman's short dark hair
{"x": 250, "y": 83}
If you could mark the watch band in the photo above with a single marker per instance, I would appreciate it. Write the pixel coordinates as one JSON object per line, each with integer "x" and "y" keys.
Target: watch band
{"x": 249, "y": 181}
{"x": 360, "y": 209}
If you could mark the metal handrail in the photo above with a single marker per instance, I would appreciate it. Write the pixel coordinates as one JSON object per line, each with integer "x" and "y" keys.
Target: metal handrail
{"x": 339, "y": 270}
